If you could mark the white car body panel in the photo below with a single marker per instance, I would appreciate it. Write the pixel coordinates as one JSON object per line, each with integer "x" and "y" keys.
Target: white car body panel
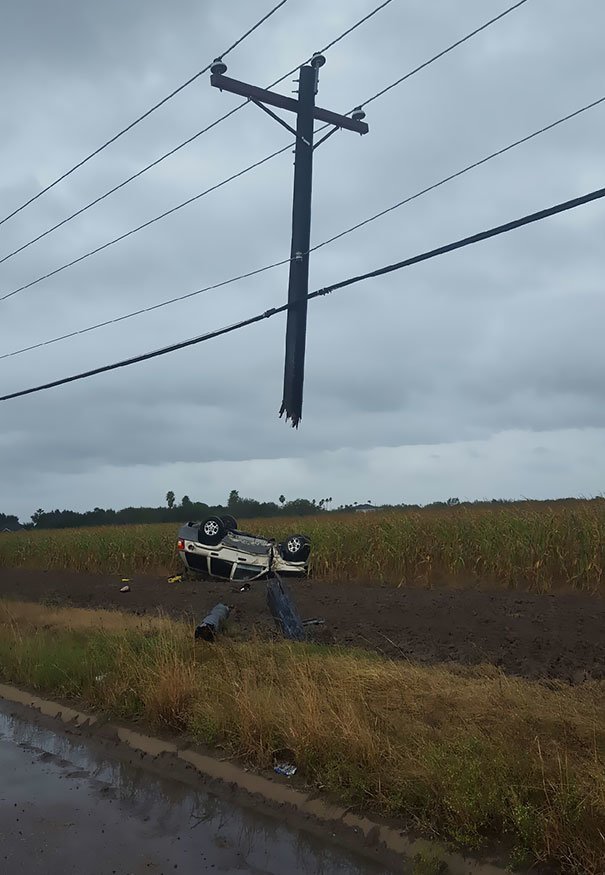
{"x": 237, "y": 557}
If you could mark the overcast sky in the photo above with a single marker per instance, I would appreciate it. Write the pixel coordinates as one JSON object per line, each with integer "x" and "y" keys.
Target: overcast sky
{"x": 479, "y": 374}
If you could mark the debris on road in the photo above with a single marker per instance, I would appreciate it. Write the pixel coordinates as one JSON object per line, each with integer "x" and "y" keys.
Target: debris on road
{"x": 213, "y": 623}
{"x": 125, "y": 588}
{"x": 125, "y": 580}
{"x": 177, "y": 578}
{"x": 314, "y": 622}
{"x": 286, "y": 769}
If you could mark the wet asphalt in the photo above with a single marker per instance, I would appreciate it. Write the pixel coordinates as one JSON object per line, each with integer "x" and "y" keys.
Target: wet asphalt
{"x": 65, "y": 807}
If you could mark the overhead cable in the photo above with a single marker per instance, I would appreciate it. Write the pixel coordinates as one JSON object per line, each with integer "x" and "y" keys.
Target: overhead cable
{"x": 531, "y": 218}
{"x": 332, "y": 239}
{"x": 262, "y": 161}
{"x": 180, "y": 146}
{"x": 140, "y": 118}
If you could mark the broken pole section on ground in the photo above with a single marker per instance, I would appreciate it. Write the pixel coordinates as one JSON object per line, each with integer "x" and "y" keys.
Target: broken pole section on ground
{"x": 213, "y": 623}
{"x": 283, "y": 609}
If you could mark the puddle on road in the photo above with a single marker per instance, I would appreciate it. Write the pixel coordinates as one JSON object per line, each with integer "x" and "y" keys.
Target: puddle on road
{"x": 65, "y": 807}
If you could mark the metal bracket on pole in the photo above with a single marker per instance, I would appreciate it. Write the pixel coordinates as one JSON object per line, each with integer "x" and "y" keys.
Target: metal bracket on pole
{"x": 273, "y": 115}
{"x": 323, "y": 139}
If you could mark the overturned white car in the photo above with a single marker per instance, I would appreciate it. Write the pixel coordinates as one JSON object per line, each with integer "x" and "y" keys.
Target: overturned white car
{"x": 217, "y": 548}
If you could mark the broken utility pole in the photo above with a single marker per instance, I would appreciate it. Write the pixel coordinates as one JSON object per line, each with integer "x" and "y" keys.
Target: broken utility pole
{"x": 298, "y": 283}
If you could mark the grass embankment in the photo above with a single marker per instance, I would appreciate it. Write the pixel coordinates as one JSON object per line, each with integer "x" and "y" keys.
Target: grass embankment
{"x": 468, "y": 756}
{"x": 530, "y": 546}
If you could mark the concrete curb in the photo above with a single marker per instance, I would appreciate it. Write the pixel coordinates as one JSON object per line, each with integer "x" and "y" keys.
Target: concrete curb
{"x": 362, "y": 830}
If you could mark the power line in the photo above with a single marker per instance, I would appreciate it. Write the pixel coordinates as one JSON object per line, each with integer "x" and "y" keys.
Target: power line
{"x": 381, "y": 271}
{"x": 145, "y": 224}
{"x": 467, "y": 241}
{"x": 349, "y": 230}
{"x": 350, "y": 30}
{"x": 262, "y": 161}
{"x": 459, "y": 173}
{"x": 234, "y": 279}
{"x": 180, "y": 146}
{"x": 445, "y": 51}
{"x": 117, "y": 187}
{"x": 144, "y": 115}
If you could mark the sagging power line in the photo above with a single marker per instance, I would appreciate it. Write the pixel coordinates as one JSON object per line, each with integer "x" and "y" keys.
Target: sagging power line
{"x": 253, "y": 166}
{"x": 51, "y": 229}
{"x": 145, "y": 115}
{"x": 531, "y": 218}
{"x": 251, "y": 273}
{"x": 445, "y": 51}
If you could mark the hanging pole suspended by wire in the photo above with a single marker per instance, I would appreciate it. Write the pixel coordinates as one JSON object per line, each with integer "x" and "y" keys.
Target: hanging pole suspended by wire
{"x": 298, "y": 282}
{"x": 298, "y": 278}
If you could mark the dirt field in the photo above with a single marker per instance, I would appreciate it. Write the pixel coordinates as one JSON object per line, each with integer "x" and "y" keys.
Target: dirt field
{"x": 537, "y": 636}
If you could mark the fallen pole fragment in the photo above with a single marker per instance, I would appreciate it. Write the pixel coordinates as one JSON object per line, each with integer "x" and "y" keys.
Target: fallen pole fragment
{"x": 213, "y": 623}
{"x": 283, "y": 609}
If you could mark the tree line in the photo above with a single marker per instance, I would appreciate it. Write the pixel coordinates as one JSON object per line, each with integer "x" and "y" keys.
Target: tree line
{"x": 177, "y": 512}
{"x": 172, "y": 511}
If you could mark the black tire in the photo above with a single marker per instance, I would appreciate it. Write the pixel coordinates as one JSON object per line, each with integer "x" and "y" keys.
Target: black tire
{"x": 296, "y": 548}
{"x": 229, "y": 522}
{"x": 211, "y": 531}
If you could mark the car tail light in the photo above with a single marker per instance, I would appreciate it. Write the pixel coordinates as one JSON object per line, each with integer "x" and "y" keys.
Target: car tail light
{"x": 180, "y": 544}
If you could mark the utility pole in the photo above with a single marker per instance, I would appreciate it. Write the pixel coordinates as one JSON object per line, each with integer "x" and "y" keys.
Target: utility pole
{"x": 298, "y": 283}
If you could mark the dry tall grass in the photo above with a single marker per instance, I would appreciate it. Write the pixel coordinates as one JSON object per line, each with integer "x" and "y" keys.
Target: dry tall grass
{"x": 530, "y": 545}
{"x": 467, "y": 755}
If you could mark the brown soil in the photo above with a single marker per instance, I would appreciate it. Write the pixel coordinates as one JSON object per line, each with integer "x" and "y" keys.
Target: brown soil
{"x": 537, "y": 636}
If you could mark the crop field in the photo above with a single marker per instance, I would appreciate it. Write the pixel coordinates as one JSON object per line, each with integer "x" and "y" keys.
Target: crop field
{"x": 531, "y": 546}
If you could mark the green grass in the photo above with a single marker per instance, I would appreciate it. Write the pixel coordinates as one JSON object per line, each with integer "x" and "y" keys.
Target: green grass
{"x": 466, "y": 756}
{"x": 530, "y": 545}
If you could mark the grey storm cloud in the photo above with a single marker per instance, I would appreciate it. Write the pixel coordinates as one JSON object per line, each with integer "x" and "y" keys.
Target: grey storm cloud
{"x": 454, "y": 372}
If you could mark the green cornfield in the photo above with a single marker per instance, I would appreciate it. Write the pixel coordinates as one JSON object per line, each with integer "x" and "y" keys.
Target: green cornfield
{"x": 527, "y": 546}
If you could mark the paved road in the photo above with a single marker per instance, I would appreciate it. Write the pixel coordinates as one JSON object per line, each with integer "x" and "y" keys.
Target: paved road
{"x": 65, "y": 808}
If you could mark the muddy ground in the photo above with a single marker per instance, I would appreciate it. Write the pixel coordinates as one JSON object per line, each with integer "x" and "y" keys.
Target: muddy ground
{"x": 537, "y": 636}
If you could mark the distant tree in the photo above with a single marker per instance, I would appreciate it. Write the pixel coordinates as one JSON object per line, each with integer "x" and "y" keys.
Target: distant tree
{"x": 170, "y": 499}
{"x": 453, "y": 502}
{"x": 234, "y": 500}
{"x": 282, "y": 500}
{"x": 186, "y": 502}
{"x": 9, "y": 521}
{"x": 37, "y": 516}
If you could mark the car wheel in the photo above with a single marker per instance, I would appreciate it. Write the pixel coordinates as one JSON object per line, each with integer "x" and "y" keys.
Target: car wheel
{"x": 212, "y": 531}
{"x": 229, "y": 522}
{"x": 296, "y": 548}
